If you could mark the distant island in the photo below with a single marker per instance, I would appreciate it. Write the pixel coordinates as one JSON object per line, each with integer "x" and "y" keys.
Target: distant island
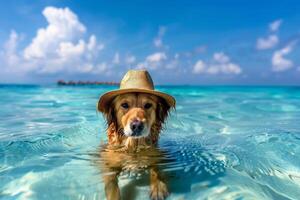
{"x": 62, "y": 82}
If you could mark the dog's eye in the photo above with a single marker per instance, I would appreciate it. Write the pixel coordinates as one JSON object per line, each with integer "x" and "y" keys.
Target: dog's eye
{"x": 147, "y": 105}
{"x": 125, "y": 105}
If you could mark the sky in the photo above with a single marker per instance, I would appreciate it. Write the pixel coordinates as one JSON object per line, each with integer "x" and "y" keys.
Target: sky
{"x": 179, "y": 42}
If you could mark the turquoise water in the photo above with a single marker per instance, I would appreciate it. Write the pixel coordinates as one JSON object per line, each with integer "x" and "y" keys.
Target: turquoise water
{"x": 220, "y": 143}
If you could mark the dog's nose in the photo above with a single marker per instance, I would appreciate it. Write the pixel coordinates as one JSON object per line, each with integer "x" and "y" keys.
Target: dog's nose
{"x": 136, "y": 127}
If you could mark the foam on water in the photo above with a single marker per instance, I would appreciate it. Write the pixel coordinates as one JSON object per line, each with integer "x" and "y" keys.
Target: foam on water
{"x": 220, "y": 143}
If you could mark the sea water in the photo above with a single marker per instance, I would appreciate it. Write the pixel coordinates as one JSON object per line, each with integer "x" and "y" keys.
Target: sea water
{"x": 219, "y": 143}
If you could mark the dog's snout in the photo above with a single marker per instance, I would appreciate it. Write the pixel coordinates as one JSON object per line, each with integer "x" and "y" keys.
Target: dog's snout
{"x": 137, "y": 127}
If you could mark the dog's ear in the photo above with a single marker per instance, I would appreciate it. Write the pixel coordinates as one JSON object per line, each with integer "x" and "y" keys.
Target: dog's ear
{"x": 162, "y": 110}
{"x": 110, "y": 116}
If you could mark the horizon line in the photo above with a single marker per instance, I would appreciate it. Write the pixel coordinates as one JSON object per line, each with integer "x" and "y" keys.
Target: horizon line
{"x": 158, "y": 85}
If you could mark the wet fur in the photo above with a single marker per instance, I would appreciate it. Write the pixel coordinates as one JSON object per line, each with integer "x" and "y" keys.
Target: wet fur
{"x": 115, "y": 129}
{"x": 137, "y": 152}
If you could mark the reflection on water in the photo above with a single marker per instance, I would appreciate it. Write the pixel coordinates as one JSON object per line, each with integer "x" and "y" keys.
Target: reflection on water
{"x": 221, "y": 143}
{"x": 179, "y": 166}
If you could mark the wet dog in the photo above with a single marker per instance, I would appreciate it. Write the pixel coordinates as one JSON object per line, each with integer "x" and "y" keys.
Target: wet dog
{"x": 135, "y": 115}
{"x": 134, "y": 124}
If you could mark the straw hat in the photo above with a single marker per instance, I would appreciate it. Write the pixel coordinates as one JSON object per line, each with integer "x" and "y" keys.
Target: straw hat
{"x": 134, "y": 81}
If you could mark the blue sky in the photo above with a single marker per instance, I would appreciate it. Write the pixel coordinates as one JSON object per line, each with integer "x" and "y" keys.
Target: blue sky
{"x": 179, "y": 42}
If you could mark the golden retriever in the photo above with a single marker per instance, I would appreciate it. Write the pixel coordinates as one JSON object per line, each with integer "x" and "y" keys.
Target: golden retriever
{"x": 134, "y": 123}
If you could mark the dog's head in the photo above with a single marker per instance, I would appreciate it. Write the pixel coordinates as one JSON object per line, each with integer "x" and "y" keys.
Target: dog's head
{"x": 137, "y": 114}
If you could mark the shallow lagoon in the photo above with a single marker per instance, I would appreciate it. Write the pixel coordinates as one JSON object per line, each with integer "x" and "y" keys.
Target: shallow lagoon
{"x": 220, "y": 143}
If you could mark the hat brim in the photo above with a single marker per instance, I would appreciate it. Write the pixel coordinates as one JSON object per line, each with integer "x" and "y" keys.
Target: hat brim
{"x": 106, "y": 98}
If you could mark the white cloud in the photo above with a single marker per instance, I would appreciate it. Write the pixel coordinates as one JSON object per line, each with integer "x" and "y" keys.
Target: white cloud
{"x": 153, "y": 61}
{"x": 157, "y": 42}
{"x": 274, "y": 26}
{"x": 158, "y": 39}
{"x": 220, "y": 65}
{"x": 59, "y": 47}
{"x": 10, "y": 49}
{"x": 199, "y": 67}
{"x": 267, "y": 43}
{"x": 93, "y": 45}
{"x": 279, "y": 63}
{"x": 116, "y": 59}
{"x": 173, "y": 63}
{"x": 11, "y": 44}
{"x": 220, "y": 57}
{"x": 130, "y": 59}
{"x": 68, "y": 50}
{"x": 101, "y": 68}
{"x": 63, "y": 26}
{"x": 156, "y": 57}
{"x": 271, "y": 40}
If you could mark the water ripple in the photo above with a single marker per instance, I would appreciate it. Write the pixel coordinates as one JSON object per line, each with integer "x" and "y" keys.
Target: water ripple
{"x": 221, "y": 143}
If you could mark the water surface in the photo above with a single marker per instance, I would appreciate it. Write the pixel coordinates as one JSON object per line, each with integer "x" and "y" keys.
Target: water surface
{"x": 220, "y": 143}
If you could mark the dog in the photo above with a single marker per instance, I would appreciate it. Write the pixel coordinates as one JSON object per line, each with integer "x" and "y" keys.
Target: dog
{"x": 135, "y": 115}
